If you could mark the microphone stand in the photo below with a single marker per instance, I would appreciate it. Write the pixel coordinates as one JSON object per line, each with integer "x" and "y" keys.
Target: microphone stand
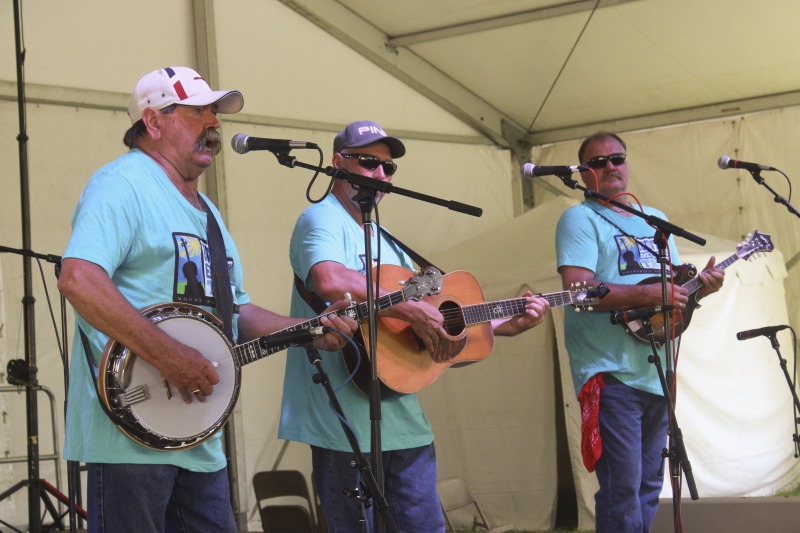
{"x": 677, "y": 452}
{"x": 24, "y": 373}
{"x": 776, "y": 346}
{"x": 664, "y": 229}
{"x": 35, "y": 486}
{"x": 382, "y": 506}
{"x": 778, "y": 198}
{"x": 368, "y": 188}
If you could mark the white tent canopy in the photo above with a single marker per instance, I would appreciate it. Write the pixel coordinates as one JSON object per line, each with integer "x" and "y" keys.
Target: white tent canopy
{"x": 307, "y": 68}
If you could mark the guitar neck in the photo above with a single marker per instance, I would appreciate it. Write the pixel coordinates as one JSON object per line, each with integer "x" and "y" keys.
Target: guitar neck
{"x": 251, "y": 351}
{"x": 486, "y": 312}
{"x": 694, "y": 284}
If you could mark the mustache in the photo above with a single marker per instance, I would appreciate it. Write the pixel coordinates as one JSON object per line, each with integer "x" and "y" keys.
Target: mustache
{"x": 212, "y": 136}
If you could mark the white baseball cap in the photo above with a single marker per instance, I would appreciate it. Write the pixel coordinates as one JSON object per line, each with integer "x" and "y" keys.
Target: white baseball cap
{"x": 179, "y": 85}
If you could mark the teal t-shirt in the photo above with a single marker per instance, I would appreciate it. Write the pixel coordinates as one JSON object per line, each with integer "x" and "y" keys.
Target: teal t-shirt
{"x": 585, "y": 239}
{"x": 326, "y": 232}
{"x": 135, "y": 224}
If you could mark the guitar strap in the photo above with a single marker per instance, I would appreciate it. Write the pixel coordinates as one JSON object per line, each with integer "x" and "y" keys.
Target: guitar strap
{"x": 418, "y": 259}
{"x": 311, "y": 298}
{"x": 223, "y": 297}
{"x": 315, "y": 302}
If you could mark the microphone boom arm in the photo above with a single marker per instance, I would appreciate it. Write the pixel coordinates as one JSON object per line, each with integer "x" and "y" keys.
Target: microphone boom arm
{"x": 660, "y": 223}
{"x": 777, "y": 197}
{"x": 385, "y": 187}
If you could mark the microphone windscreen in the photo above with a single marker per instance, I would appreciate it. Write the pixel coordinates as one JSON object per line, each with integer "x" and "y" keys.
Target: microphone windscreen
{"x": 239, "y": 143}
{"x": 724, "y": 162}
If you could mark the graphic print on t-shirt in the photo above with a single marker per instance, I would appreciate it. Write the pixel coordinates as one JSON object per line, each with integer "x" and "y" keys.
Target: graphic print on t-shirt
{"x": 192, "y": 271}
{"x": 635, "y": 257}
{"x": 363, "y": 258}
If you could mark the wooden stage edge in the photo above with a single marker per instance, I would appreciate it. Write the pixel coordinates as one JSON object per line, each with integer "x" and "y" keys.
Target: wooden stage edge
{"x": 774, "y": 514}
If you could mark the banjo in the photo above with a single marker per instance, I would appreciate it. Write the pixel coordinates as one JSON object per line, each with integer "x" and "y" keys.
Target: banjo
{"x": 150, "y": 411}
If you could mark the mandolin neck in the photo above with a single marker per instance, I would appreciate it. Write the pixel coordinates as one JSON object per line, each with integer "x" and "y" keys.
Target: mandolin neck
{"x": 694, "y": 284}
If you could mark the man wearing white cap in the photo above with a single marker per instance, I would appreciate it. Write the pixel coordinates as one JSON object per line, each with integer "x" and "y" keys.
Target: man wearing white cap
{"x": 328, "y": 256}
{"x": 140, "y": 238}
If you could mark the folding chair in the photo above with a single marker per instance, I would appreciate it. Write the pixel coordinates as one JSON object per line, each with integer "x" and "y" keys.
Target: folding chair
{"x": 288, "y": 485}
{"x": 455, "y": 497}
{"x": 322, "y": 524}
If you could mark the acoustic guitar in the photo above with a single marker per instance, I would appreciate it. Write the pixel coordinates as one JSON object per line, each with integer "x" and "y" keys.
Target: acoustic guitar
{"x": 405, "y": 366}
{"x": 686, "y": 276}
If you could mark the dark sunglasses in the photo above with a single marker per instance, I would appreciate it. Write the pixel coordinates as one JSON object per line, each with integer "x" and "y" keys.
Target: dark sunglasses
{"x": 371, "y": 162}
{"x": 601, "y": 160}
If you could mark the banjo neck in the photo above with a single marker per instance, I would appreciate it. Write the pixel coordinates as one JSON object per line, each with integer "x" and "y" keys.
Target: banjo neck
{"x": 423, "y": 283}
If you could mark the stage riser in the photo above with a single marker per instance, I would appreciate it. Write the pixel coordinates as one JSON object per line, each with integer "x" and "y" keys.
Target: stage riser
{"x": 728, "y": 515}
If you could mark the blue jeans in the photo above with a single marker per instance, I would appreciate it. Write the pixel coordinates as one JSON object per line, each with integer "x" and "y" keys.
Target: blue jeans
{"x": 410, "y": 490}
{"x": 157, "y": 499}
{"x": 633, "y": 429}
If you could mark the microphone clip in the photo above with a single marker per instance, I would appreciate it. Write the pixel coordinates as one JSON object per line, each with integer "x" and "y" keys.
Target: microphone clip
{"x": 284, "y": 159}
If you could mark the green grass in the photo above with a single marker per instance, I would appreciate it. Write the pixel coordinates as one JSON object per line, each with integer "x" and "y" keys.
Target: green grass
{"x": 790, "y": 492}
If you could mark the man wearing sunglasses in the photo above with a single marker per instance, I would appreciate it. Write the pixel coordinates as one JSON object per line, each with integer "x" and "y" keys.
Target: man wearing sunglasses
{"x": 327, "y": 254}
{"x": 622, "y": 404}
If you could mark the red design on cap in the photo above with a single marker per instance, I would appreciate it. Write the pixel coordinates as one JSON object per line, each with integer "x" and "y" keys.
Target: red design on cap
{"x": 179, "y": 90}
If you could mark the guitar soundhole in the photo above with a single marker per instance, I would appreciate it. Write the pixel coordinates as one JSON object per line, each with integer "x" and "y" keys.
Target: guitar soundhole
{"x": 453, "y": 318}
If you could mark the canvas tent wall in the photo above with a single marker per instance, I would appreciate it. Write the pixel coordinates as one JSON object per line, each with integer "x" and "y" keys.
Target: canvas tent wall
{"x": 75, "y": 120}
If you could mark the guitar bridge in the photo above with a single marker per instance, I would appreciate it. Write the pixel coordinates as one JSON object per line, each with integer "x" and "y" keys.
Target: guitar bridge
{"x": 134, "y": 395}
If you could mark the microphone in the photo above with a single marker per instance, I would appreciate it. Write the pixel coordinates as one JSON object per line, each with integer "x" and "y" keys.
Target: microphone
{"x": 726, "y": 162}
{"x": 293, "y": 337}
{"x": 767, "y": 331}
{"x": 623, "y": 317}
{"x": 529, "y": 170}
{"x": 243, "y": 143}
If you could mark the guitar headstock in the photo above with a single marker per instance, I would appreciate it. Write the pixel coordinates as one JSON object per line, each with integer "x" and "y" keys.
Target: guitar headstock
{"x": 757, "y": 242}
{"x": 426, "y": 282}
{"x": 585, "y": 296}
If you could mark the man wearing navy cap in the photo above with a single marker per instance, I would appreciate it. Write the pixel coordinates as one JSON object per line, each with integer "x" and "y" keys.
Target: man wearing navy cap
{"x": 328, "y": 257}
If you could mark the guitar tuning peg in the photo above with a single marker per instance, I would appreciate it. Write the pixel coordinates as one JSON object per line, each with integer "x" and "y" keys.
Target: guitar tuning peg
{"x": 590, "y": 308}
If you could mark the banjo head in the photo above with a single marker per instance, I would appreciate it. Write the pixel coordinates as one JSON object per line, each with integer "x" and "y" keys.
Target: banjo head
{"x": 150, "y": 410}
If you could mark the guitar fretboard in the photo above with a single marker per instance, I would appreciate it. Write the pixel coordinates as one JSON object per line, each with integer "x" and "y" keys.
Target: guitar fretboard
{"x": 475, "y": 314}
{"x": 485, "y": 312}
